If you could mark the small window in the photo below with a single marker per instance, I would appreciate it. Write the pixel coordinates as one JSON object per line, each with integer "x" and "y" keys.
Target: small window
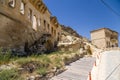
{"x": 22, "y": 8}
{"x": 39, "y": 22}
{"x": 12, "y": 3}
{"x": 44, "y": 24}
{"x": 48, "y": 27}
{"x": 55, "y": 32}
{"x": 30, "y": 15}
{"x": 34, "y": 23}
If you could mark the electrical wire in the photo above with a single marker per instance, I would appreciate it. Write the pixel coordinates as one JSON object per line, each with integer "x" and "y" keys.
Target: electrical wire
{"x": 112, "y": 72}
{"x": 107, "y": 5}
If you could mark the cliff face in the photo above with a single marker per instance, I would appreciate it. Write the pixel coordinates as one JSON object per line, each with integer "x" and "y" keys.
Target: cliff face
{"x": 71, "y": 41}
{"x": 69, "y": 36}
{"x": 69, "y": 31}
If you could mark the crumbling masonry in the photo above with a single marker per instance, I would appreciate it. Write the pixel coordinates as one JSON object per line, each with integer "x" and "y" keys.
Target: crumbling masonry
{"x": 27, "y": 25}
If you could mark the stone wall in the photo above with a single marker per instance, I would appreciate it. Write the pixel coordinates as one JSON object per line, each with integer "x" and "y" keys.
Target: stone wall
{"x": 104, "y": 38}
{"x": 24, "y": 21}
{"x": 71, "y": 47}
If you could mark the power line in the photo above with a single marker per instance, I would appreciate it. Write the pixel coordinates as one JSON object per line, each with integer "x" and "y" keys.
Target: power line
{"x": 110, "y": 7}
{"x": 113, "y": 12}
{"x": 113, "y": 71}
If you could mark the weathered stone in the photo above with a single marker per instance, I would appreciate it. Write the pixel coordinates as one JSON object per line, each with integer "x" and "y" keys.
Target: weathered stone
{"x": 31, "y": 78}
{"x": 25, "y": 27}
{"x": 7, "y": 66}
{"x": 37, "y": 77}
{"x": 104, "y": 38}
{"x": 50, "y": 74}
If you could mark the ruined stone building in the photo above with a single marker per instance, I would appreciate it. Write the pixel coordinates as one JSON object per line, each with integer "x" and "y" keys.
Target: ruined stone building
{"x": 104, "y": 38}
{"x": 27, "y": 22}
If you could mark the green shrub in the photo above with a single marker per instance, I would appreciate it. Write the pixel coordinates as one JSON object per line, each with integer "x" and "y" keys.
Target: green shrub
{"x": 5, "y": 56}
{"x": 24, "y": 60}
{"x": 45, "y": 60}
{"x": 11, "y": 74}
{"x": 41, "y": 70}
{"x": 58, "y": 62}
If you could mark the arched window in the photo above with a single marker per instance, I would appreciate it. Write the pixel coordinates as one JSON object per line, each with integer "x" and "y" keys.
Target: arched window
{"x": 22, "y": 8}
{"x": 44, "y": 24}
{"x": 34, "y": 23}
{"x": 39, "y": 22}
{"x": 12, "y": 3}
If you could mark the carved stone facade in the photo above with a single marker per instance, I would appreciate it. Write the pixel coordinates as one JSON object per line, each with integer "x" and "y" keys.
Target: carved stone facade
{"x": 26, "y": 21}
{"x": 104, "y": 38}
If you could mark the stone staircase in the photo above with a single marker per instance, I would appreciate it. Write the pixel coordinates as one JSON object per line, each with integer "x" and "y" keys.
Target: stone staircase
{"x": 77, "y": 70}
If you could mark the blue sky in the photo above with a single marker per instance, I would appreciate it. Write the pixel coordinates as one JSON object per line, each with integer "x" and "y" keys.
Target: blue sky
{"x": 85, "y": 15}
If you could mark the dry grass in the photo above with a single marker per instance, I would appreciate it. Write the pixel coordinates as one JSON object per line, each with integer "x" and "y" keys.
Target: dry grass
{"x": 42, "y": 63}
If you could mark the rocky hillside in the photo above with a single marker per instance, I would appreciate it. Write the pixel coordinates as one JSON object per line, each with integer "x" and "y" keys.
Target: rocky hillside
{"x": 69, "y": 31}
{"x": 70, "y": 36}
{"x": 70, "y": 40}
